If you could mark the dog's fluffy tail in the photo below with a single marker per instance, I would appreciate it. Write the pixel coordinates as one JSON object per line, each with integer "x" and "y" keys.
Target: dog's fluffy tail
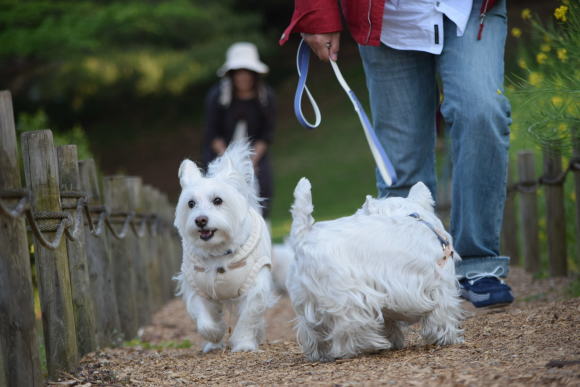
{"x": 301, "y": 210}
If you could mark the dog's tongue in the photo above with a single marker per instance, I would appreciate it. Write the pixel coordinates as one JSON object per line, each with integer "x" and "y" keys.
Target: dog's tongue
{"x": 206, "y": 234}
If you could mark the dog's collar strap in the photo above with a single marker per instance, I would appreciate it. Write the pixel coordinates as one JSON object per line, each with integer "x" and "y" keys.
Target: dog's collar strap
{"x": 249, "y": 246}
{"x": 447, "y": 249}
{"x": 228, "y": 252}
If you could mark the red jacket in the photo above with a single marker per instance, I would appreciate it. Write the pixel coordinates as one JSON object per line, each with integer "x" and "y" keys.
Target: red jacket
{"x": 364, "y": 18}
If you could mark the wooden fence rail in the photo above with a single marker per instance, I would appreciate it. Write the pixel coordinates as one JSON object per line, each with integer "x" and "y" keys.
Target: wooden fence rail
{"x": 103, "y": 263}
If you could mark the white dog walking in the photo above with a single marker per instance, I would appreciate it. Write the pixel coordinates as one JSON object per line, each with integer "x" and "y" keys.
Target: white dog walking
{"x": 226, "y": 249}
{"x": 356, "y": 280}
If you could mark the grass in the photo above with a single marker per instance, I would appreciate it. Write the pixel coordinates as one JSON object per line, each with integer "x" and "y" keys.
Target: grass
{"x": 335, "y": 156}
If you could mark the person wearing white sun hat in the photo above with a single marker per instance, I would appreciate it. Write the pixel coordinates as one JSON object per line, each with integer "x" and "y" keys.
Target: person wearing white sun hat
{"x": 243, "y": 55}
{"x": 241, "y": 104}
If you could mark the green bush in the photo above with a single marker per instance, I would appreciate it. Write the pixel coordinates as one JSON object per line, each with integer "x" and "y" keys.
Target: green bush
{"x": 544, "y": 94}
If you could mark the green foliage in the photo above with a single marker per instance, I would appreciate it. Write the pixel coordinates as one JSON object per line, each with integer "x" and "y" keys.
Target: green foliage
{"x": 75, "y": 136}
{"x": 574, "y": 288}
{"x": 74, "y": 50}
{"x": 544, "y": 95}
{"x": 548, "y": 86}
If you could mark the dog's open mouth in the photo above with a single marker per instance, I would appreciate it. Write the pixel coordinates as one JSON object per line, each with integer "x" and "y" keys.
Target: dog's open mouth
{"x": 206, "y": 234}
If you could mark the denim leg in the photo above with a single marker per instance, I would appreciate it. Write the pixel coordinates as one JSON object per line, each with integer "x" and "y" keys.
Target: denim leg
{"x": 403, "y": 99}
{"x": 478, "y": 117}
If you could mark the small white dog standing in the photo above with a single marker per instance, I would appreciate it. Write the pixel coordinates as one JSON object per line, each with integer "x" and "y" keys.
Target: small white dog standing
{"x": 356, "y": 281}
{"x": 226, "y": 249}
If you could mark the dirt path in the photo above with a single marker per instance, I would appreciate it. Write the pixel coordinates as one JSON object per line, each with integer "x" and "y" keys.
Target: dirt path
{"x": 535, "y": 341}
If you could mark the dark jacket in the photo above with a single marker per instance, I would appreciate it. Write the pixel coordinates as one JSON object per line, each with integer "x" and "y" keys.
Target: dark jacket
{"x": 223, "y": 112}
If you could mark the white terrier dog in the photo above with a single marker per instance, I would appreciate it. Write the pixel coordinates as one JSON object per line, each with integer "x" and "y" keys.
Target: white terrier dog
{"x": 226, "y": 249}
{"x": 356, "y": 281}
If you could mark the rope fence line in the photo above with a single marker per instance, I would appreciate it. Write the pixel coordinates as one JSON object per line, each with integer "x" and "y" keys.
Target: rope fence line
{"x": 529, "y": 186}
{"x": 97, "y": 289}
{"x": 66, "y": 224}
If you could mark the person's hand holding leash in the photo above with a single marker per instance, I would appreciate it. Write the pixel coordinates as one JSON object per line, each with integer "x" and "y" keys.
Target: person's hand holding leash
{"x": 325, "y": 46}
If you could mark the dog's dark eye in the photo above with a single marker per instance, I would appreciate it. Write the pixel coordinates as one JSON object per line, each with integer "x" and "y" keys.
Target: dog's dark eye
{"x": 191, "y": 204}
{"x": 218, "y": 201}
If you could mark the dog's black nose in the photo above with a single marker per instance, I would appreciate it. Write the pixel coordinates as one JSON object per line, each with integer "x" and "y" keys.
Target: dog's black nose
{"x": 201, "y": 221}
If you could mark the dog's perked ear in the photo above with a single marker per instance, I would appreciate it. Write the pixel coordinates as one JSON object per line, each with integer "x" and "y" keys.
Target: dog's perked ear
{"x": 236, "y": 161}
{"x": 420, "y": 194}
{"x": 188, "y": 173}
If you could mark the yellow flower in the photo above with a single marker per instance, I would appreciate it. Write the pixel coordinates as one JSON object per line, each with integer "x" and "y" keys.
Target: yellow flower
{"x": 562, "y": 54}
{"x": 535, "y": 78}
{"x": 545, "y": 47}
{"x": 557, "y": 101}
{"x": 560, "y": 13}
{"x": 526, "y": 14}
{"x": 522, "y": 63}
{"x": 541, "y": 58}
{"x": 516, "y": 32}
{"x": 562, "y": 127}
{"x": 498, "y": 91}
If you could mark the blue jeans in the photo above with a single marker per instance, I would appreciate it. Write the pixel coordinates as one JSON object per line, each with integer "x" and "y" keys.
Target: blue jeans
{"x": 404, "y": 97}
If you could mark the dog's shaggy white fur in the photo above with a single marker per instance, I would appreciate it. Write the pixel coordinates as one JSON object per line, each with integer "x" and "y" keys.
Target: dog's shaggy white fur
{"x": 356, "y": 281}
{"x": 226, "y": 249}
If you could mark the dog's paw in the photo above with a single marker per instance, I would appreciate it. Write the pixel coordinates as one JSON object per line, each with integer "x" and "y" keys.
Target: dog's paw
{"x": 209, "y": 347}
{"x": 211, "y": 332}
{"x": 247, "y": 346}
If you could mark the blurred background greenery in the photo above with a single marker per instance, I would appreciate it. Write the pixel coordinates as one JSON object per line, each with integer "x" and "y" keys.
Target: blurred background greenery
{"x": 126, "y": 80}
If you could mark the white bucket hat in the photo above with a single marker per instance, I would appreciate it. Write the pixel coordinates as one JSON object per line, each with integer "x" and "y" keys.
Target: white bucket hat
{"x": 242, "y": 55}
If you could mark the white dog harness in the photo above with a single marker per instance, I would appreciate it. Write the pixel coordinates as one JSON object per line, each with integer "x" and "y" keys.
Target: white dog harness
{"x": 234, "y": 278}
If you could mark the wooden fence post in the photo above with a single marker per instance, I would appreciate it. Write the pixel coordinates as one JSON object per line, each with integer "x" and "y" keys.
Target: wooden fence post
{"x": 529, "y": 210}
{"x": 164, "y": 248}
{"x": 555, "y": 217}
{"x": 99, "y": 261}
{"x": 19, "y": 358}
{"x": 3, "y": 377}
{"x": 576, "y": 171}
{"x": 123, "y": 256}
{"x": 174, "y": 241}
{"x": 156, "y": 279}
{"x": 41, "y": 172}
{"x": 510, "y": 230}
{"x": 77, "y": 256}
{"x": 140, "y": 253}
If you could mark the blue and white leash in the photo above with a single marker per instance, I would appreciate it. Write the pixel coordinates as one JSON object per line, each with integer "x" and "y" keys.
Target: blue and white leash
{"x": 383, "y": 162}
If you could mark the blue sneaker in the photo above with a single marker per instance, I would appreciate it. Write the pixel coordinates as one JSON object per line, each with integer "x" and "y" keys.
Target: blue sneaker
{"x": 486, "y": 289}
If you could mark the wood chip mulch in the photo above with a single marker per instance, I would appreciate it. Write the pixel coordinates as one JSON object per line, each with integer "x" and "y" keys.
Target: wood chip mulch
{"x": 535, "y": 341}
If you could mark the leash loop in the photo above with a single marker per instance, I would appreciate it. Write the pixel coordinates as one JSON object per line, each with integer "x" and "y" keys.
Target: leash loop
{"x": 302, "y": 60}
{"x": 382, "y": 161}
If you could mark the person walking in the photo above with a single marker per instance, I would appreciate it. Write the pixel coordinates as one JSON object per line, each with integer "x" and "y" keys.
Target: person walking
{"x": 242, "y": 105}
{"x": 406, "y": 46}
